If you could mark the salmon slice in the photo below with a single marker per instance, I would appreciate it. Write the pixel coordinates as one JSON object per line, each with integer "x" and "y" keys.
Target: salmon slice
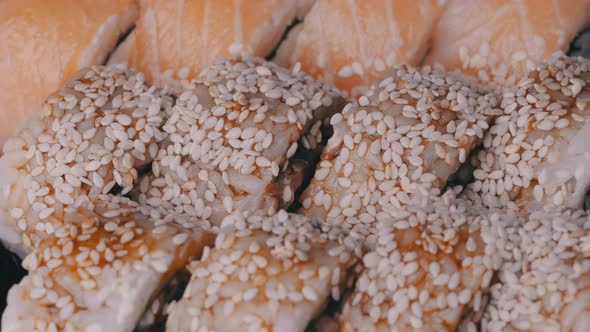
{"x": 43, "y": 43}
{"x": 352, "y": 43}
{"x": 178, "y": 39}
{"x": 496, "y": 41}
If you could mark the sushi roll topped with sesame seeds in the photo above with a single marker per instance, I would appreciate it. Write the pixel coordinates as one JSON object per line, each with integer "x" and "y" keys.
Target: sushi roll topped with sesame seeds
{"x": 408, "y": 133}
{"x": 87, "y": 139}
{"x": 545, "y": 283}
{"x": 97, "y": 273}
{"x": 232, "y": 135}
{"x": 434, "y": 260}
{"x": 536, "y": 152}
{"x": 265, "y": 274}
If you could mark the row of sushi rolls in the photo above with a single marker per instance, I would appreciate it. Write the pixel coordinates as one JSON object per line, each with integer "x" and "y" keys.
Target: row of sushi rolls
{"x": 295, "y": 165}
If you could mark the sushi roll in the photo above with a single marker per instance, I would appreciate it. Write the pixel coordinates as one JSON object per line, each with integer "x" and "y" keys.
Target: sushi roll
{"x": 88, "y": 139}
{"x": 536, "y": 152}
{"x": 178, "y": 39}
{"x": 546, "y": 284}
{"x": 497, "y": 41}
{"x": 98, "y": 273}
{"x": 45, "y": 42}
{"x": 264, "y": 274}
{"x": 232, "y": 134}
{"x": 433, "y": 261}
{"x": 353, "y": 43}
{"x": 407, "y": 134}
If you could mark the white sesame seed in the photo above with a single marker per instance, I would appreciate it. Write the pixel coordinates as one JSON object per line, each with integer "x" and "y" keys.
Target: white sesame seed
{"x": 309, "y": 294}
{"x": 179, "y": 239}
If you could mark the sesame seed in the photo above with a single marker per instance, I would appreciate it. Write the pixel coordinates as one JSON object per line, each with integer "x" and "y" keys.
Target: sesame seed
{"x": 180, "y": 238}
{"x": 263, "y": 71}
{"x": 309, "y": 294}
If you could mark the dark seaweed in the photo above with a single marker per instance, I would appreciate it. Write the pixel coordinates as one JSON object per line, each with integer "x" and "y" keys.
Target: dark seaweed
{"x": 120, "y": 41}
{"x": 272, "y": 53}
{"x": 11, "y": 272}
{"x": 580, "y": 46}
